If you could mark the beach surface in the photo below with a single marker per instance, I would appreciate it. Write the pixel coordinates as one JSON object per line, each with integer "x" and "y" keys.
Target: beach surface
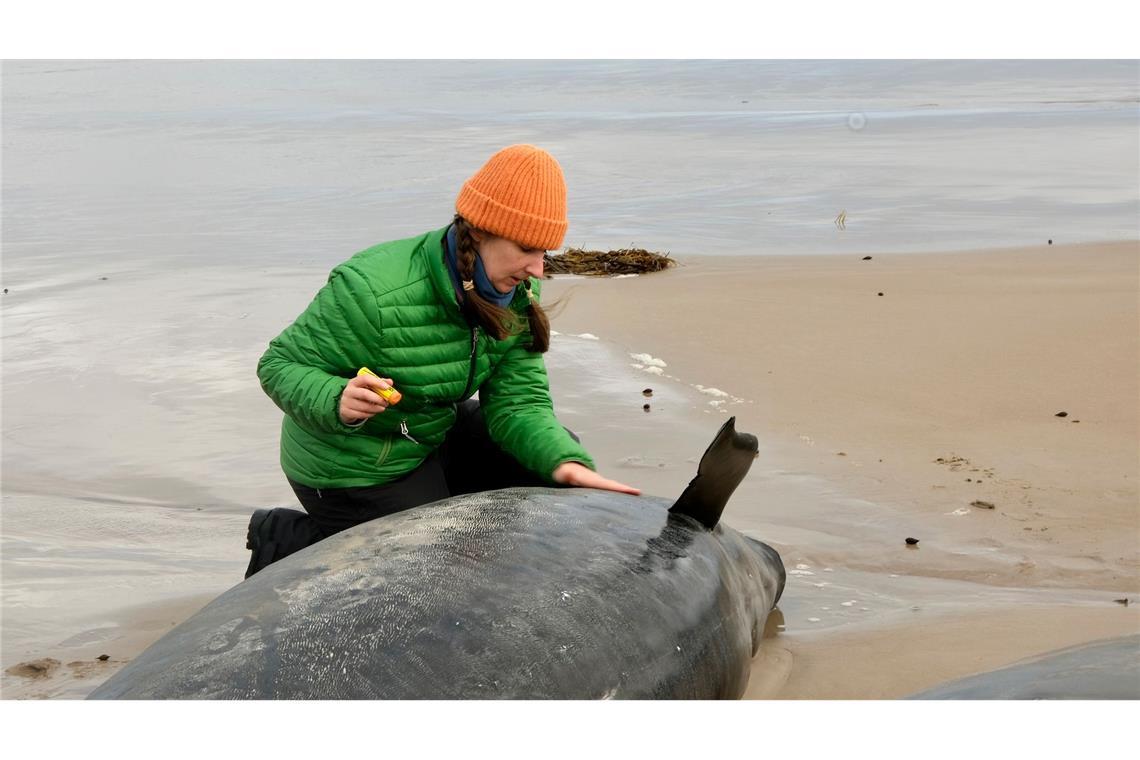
{"x": 912, "y": 396}
{"x": 929, "y": 412}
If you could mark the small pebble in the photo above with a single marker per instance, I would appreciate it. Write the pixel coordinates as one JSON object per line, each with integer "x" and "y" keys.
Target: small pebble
{"x": 1050, "y": 242}
{"x": 841, "y": 454}
{"x": 880, "y": 294}
{"x": 866, "y": 258}
{"x": 981, "y": 504}
{"x": 1122, "y": 601}
{"x": 1061, "y": 414}
{"x": 103, "y": 657}
{"x": 912, "y": 541}
{"x": 647, "y": 392}
{"x": 645, "y": 407}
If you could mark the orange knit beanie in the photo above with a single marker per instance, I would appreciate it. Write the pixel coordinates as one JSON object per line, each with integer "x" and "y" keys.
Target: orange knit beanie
{"x": 519, "y": 194}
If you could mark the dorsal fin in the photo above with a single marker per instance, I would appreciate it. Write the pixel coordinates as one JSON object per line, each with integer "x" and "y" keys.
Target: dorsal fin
{"x": 723, "y": 466}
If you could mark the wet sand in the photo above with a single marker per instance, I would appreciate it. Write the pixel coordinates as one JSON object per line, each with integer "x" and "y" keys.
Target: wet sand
{"x": 879, "y": 418}
{"x": 892, "y": 416}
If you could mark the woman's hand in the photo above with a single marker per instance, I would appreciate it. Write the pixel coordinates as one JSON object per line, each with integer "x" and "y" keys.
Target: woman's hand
{"x": 576, "y": 474}
{"x": 359, "y": 401}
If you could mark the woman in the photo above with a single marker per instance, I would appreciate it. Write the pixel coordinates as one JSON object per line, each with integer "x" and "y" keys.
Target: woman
{"x": 440, "y": 316}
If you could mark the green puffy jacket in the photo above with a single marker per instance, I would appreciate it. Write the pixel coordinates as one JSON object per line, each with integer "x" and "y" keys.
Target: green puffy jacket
{"x": 392, "y": 308}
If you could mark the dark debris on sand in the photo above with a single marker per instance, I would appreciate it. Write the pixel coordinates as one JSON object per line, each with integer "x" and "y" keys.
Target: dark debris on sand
{"x": 41, "y": 668}
{"x": 623, "y": 261}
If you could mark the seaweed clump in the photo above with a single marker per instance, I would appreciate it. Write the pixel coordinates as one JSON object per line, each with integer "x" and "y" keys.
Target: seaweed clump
{"x": 607, "y": 263}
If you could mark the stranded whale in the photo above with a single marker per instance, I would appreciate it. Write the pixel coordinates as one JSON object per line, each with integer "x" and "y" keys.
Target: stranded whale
{"x": 564, "y": 593}
{"x": 1098, "y": 670}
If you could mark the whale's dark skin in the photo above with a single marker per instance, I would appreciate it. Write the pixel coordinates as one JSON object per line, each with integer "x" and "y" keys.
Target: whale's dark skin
{"x": 1098, "y": 670}
{"x": 564, "y": 593}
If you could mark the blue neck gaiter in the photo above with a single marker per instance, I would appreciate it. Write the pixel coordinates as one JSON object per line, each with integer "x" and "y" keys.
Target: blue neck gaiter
{"x": 483, "y": 285}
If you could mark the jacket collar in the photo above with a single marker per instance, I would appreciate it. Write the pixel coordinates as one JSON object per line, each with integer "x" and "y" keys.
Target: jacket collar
{"x": 432, "y": 250}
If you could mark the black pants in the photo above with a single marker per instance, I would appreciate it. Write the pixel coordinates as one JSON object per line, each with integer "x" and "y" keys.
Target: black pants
{"x": 467, "y": 462}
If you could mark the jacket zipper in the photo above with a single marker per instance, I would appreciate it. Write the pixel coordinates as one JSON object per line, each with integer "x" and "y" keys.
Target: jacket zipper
{"x": 404, "y": 431}
{"x": 470, "y": 379}
{"x": 471, "y": 371}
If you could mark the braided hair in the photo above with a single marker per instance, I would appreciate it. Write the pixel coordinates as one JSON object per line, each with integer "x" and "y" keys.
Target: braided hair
{"x": 498, "y": 322}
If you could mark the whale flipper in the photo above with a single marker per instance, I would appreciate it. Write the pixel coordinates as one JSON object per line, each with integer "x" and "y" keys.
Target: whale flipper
{"x": 723, "y": 466}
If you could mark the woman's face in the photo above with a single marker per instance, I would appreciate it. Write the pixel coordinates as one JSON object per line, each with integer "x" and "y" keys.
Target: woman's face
{"x": 506, "y": 262}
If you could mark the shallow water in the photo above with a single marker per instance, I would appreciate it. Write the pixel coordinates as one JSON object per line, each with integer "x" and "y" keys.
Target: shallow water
{"x": 294, "y": 162}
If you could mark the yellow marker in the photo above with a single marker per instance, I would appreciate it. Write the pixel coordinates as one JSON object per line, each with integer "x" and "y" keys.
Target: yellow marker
{"x": 391, "y": 395}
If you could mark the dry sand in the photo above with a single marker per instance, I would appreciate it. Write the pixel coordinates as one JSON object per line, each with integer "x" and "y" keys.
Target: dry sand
{"x": 879, "y": 417}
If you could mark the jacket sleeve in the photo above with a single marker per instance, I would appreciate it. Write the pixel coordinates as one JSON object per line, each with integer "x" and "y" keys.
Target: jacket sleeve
{"x": 520, "y": 415}
{"x": 306, "y": 367}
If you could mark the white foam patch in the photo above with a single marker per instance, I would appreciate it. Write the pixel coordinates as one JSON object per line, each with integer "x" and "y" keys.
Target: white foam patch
{"x": 587, "y": 336}
{"x": 828, "y": 570}
{"x": 712, "y": 391}
{"x": 846, "y": 604}
{"x": 621, "y": 276}
{"x": 959, "y": 512}
{"x": 819, "y": 585}
{"x": 813, "y": 620}
{"x": 655, "y": 370}
{"x": 716, "y": 404}
{"x": 555, "y": 332}
{"x": 648, "y": 360}
{"x": 800, "y": 572}
{"x": 802, "y": 566}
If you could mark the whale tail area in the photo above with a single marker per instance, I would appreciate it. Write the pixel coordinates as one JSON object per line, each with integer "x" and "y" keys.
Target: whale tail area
{"x": 723, "y": 466}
